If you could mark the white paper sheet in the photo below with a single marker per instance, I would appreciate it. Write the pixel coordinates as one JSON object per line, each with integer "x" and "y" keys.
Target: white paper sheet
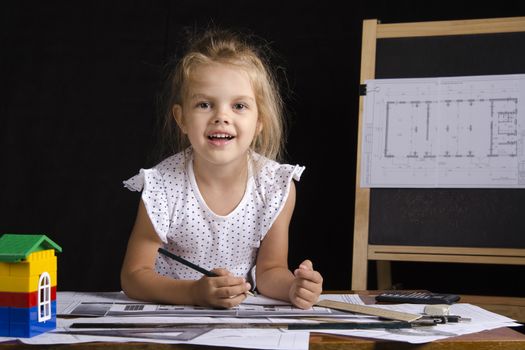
{"x": 245, "y": 338}
{"x": 117, "y": 304}
{"x": 346, "y": 298}
{"x": 480, "y": 320}
{"x": 444, "y": 132}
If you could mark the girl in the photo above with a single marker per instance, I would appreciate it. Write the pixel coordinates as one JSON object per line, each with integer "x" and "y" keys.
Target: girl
{"x": 222, "y": 201}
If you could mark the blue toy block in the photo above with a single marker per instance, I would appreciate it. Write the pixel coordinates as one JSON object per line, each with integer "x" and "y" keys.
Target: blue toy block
{"x": 4, "y": 314}
{"x": 23, "y": 322}
{"x": 23, "y": 314}
{"x": 4, "y": 329}
{"x": 4, "y": 322}
{"x": 24, "y": 330}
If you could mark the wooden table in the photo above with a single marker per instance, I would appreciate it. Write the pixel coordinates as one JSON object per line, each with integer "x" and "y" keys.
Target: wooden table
{"x": 500, "y": 339}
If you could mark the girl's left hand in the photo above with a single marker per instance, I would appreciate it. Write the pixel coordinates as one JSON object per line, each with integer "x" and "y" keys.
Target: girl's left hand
{"x": 306, "y": 287}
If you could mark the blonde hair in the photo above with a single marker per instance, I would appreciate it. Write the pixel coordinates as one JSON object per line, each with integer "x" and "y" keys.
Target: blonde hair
{"x": 226, "y": 47}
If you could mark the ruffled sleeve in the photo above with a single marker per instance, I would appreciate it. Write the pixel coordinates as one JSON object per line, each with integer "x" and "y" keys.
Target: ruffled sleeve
{"x": 274, "y": 182}
{"x": 155, "y": 198}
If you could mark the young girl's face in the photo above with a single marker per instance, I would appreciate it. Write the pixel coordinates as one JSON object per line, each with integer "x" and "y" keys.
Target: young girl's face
{"x": 219, "y": 113}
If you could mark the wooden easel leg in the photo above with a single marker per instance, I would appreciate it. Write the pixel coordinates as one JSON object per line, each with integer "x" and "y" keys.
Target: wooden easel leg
{"x": 384, "y": 276}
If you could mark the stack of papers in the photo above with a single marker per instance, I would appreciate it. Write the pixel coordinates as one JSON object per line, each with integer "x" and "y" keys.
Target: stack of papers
{"x": 481, "y": 320}
{"x": 116, "y": 309}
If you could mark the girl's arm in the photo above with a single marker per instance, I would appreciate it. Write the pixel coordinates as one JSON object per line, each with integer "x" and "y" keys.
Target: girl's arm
{"x": 139, "y": 279}
{"x": 303, "y": 287}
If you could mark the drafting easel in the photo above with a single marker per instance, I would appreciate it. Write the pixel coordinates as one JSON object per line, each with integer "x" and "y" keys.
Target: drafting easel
{"x": 363, "y": 251}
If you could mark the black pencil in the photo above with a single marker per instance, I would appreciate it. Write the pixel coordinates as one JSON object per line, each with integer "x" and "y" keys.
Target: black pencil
{"x": 187, "y": 263}
{"x": 191, "y": 265}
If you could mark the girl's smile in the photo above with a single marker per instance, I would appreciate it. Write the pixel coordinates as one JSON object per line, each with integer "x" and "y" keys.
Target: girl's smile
{"x": 220, "y": 138}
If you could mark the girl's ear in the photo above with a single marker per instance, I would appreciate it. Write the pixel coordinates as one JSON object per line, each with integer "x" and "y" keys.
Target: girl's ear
{"x": 177, "y": 115}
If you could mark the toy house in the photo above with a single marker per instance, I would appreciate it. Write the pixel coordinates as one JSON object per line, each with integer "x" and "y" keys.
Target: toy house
{"x": 28, "y": 280}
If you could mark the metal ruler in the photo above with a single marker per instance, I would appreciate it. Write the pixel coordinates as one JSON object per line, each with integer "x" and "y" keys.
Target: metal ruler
{"x": 84, "y": 328}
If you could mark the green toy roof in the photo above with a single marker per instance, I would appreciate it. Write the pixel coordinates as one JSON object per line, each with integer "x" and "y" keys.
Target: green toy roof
{"x": 14, "y": 248}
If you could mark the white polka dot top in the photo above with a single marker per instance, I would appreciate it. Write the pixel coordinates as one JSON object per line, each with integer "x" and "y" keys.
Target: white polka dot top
{"x": 188, "y": 228}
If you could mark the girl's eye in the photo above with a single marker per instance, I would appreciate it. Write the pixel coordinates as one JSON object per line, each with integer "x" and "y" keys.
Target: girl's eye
{"x": 239, "y": 106}
{"x": 203, "y": 105}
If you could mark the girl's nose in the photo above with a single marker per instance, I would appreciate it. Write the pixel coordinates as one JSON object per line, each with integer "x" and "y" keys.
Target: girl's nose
{"x": 221, "y": 117}
{"x": 221, "y": 120}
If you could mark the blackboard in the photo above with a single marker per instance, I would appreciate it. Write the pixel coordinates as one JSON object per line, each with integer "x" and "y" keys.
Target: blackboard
{"x": 442, "y": 224}
{"x": 488, "y": 218}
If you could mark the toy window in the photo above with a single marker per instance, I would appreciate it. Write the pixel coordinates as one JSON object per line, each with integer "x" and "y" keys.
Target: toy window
{"x": 44, "y": 297}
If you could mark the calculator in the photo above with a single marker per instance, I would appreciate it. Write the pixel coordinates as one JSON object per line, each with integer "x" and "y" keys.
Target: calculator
{"x": 416, "y": 297}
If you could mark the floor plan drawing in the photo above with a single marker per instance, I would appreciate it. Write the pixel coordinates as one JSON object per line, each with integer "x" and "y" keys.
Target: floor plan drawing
{"x": 444, "y": 132}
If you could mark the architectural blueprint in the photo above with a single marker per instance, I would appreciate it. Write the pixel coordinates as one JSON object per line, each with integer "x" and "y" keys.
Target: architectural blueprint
{"x": 444, "y": 132}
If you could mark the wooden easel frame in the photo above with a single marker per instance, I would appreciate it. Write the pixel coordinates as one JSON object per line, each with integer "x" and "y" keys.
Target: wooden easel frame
{"x": 363, "y": 251}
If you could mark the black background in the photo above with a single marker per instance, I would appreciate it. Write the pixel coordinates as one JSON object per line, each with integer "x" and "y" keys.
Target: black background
{"x": 79, "y": 85}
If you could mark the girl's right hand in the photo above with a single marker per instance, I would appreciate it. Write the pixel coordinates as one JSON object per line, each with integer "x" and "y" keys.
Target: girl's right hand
{"x": 223, "y": 291}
